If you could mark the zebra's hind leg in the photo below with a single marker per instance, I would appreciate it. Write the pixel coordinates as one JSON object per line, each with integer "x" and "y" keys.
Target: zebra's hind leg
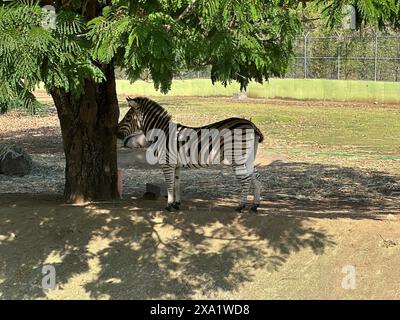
{"x": 169, "y": 175}
{"x": 257, "y": 191}
{"x": 245, "y": 180}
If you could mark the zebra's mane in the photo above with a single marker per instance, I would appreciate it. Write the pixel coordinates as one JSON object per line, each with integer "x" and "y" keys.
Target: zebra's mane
{"x": 149, "y": 105}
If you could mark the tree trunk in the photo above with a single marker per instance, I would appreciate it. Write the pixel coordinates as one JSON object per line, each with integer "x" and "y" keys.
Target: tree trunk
{"x": 88, "y": 124}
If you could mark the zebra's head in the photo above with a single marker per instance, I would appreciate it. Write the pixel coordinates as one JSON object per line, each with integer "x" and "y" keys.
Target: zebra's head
{"x": 143, "y": 116}
{"x": 131, "y": 123}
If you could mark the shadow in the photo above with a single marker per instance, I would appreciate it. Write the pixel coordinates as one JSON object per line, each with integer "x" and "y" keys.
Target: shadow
{"x": 121, "y": 251}
{"x": 301, "y": 186}
{"x": 328, "y": 188}
{"x": 32, "y": 235}
{"x": 41, "y": 140}
{"x": 131, "y": 249}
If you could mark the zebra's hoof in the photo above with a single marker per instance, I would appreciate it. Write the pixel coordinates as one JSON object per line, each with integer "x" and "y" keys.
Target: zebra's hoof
{"x": 254, "y": 208}
{"x": 169, "y": 207}
{"x": 176, "y": 205}
{"x": 240, "y": 208}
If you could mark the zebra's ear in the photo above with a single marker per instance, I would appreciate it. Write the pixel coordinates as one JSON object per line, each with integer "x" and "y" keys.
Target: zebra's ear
{"x": 131, "y": 102}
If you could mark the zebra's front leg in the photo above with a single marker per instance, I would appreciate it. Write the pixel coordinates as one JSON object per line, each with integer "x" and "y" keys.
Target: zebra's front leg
{"x": 169, "y": 175}
{"x": 177, "y": 189}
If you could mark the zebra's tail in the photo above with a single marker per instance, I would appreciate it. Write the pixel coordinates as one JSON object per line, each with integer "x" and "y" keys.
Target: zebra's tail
{"x": 259, "y": 133}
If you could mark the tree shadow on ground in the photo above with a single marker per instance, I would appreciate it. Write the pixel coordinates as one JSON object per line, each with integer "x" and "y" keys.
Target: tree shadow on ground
{"x": 120, "y": 252}
{"x": 42, "y": 140}
{"x": 131, "y": 249}
{"x": 319, "y": 187}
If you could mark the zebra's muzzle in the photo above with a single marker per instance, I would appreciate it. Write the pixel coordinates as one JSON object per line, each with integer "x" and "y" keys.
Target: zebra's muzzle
{"x": 135, "y": 140}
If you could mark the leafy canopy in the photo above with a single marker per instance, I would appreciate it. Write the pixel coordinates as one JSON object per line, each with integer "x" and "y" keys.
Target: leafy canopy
{"x": 30, "y": 53}
{"x": 379, "y": 13}
{"x": 240, "y": 40}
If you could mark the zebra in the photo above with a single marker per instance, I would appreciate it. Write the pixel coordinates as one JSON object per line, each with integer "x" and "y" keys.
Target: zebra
{"x": 145, "y": 115}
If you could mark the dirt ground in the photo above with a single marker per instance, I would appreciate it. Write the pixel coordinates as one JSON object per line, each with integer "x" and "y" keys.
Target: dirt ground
{"x": 318, "y": 215}
{"x": 133, "y": 250}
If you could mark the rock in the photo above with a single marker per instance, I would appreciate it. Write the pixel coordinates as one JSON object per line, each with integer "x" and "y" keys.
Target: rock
{"x": 149, "y": 196}
{"x": 14, "y": 160}
{"x": 153, "y": 192}
{"x": 239, "y": 96}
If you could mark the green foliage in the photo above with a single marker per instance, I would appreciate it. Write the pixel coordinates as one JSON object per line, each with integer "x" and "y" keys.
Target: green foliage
{"x": 31, "y": 54}
{"x": 380, "y": 13}
{"x": 239, "y": 41}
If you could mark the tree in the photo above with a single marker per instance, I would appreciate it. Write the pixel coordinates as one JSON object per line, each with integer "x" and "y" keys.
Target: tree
{"x": 241, "y": 41}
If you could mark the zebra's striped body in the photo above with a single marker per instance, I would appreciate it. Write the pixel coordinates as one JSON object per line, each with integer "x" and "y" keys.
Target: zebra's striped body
{"x": 146, "y": 115}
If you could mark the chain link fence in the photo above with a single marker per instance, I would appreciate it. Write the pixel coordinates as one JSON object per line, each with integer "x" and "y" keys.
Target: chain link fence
{"x": 369, "y": 57}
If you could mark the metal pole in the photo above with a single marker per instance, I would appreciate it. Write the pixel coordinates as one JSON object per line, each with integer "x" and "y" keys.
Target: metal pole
{"x": 305, "y": 55}
{"x": 376, "y": 56}
{"x": 339, "y": 39}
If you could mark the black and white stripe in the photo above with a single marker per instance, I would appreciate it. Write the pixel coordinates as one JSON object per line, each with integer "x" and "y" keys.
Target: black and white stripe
{"x": 146, "y": 115}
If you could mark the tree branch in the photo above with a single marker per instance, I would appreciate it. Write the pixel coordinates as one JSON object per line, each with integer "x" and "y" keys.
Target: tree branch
{"x": 186, "y": 11}
{"x": 305, "y": 19}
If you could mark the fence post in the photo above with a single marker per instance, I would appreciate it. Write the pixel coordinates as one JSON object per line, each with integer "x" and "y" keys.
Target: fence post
{"x": 305, "y": 55}
{"x": 339, "y": 38}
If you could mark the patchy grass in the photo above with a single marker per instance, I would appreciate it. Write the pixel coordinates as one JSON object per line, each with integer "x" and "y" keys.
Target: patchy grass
{"x": 336, "y": 128}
